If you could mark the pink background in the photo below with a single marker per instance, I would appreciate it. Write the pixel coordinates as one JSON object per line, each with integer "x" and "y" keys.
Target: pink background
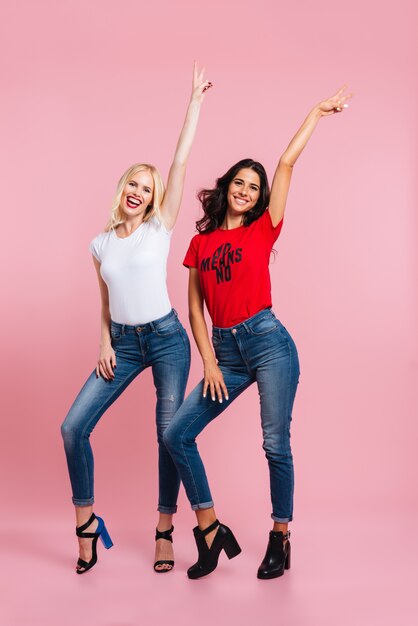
{"x": 89, "y": 88}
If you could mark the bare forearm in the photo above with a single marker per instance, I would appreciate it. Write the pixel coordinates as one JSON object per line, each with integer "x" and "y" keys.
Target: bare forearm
{"x": 187, "y": 134}
{"x": 201, "y": 336}
{"x": 105, "y": 338}
{"x": 301, "y": 138}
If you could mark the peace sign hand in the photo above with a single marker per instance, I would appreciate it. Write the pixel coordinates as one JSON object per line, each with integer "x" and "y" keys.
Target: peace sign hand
{"x": 336, "y": 103}
{"x": 199, "y": 85}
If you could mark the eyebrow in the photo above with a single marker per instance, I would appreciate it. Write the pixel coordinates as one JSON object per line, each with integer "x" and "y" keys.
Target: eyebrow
{"x": 135, "y": 183}
{"x": 242, "y": 180}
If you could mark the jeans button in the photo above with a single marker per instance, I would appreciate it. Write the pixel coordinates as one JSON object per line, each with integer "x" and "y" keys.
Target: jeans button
{"x": 234, "y": 331}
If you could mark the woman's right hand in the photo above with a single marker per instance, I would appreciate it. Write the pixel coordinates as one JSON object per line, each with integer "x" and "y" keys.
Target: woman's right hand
{"x": 199, "y": 84}
{"x": 214, "y": 381}
{"x": 106, "y": 363}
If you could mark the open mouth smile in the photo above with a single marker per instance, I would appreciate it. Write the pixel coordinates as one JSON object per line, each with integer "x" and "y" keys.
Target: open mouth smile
{"x": 132, "y": 202}
{"x": 240, "y": 201}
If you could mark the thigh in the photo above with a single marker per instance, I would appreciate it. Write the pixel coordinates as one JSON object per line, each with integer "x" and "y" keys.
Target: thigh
{"x": 170, "y": 361}
{"x": 97, "y": 394}
{"x": 197, "y": 412}
{"x": 277, "y": 376}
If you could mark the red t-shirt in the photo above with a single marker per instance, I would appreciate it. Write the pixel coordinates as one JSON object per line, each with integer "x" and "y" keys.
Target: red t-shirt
{"x": 233, "y": 267}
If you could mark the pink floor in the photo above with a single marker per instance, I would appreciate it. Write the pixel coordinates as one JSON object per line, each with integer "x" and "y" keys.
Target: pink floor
{"x": 344, "y": 572}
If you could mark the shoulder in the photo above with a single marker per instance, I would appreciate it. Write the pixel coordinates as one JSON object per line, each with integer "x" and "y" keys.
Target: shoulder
{"x": 99, "y": 241}
{"x": 157, "y": 225}
{"x": 101, "y": 237}
{"x": 263, "y": 220}
{"x": 264, "y": 223}
{"x": 98, "y": 244}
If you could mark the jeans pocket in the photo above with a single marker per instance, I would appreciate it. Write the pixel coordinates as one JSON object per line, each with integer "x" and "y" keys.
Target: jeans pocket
{"x": 168, "y": 328}
{"x": 264, "y": 325}
{"x": 115, "y": 333}
{"x": 216, "y": 341}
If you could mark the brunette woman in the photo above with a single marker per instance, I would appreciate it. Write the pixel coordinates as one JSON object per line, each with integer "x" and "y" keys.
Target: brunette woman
{"x": 229, "y": 272}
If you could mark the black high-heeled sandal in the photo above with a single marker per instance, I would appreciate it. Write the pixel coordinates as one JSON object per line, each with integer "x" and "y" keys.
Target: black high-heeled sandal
{"x": 277, "y": 557}
{"x": 208, "y": 557}
{"x": 101, "y": 532}
{"x": 164, "y": 534}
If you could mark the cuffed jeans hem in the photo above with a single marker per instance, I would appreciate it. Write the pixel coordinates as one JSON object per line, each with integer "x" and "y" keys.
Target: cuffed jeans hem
{"x": 78, "y": 502}
{"x": 168, "y": 510}
{"x": 202, "y": 505}
{"x": 281, "y": 520}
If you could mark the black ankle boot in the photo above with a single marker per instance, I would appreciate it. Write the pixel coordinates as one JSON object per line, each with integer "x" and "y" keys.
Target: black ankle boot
{"x": 208, "y": 557}
{"x": 277, "y": 557}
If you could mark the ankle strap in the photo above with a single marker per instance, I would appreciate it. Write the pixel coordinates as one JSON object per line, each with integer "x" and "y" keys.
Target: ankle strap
{"x": 164, "y": 534}
{"x": 80, "y": 529}
{"x": 210, "y": 528}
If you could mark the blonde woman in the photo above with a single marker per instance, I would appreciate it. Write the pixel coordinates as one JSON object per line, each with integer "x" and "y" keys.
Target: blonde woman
{"x": 139, "y": 329}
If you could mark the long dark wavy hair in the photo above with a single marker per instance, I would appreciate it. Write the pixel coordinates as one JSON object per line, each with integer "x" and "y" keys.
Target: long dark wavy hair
{"x": 214, "y": 201}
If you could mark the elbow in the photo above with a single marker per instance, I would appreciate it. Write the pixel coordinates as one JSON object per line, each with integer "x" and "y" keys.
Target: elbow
{"x": 285, "y": 161}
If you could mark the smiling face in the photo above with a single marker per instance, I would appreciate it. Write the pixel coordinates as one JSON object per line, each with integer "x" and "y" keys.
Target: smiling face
{"x": 243, "y": 192}
{"x": 137, "y": 194}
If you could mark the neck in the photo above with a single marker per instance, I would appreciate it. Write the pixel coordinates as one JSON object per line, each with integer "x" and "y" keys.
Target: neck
{"x": 231, "y": 221}
{"x": 130, "y": 224}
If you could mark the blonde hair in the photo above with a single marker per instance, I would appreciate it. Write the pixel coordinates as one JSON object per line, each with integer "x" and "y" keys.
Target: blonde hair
{"x": 153, "y": 208}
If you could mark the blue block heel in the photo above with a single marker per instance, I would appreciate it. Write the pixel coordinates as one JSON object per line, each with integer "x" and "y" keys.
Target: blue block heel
{"x": 101, "y": 532}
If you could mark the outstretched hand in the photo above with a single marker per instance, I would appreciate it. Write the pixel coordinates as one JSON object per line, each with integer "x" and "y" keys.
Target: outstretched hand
{"x": 199, "y": 84}
{"x": 336, "y": 103}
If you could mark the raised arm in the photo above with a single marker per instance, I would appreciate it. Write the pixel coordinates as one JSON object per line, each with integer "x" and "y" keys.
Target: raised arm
{"x": 213, "y": 378}
{"x": 172, "y": 197}
{"x": 283, "y": 174}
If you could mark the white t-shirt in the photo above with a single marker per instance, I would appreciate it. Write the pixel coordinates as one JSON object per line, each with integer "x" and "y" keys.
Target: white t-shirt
{"x": 135, "y": 272}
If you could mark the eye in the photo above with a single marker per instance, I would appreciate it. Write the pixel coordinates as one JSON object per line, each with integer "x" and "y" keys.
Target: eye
{"x": 147, "y": 189}
{"x": 254, "y": 188}
{"x": 238, "y": 182}
{"x": 132, "y": 184}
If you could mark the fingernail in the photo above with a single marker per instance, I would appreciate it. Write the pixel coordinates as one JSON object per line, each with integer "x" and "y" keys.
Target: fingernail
{"x": 227, "y": 397}
{"x": 346, "y": 106}
{"x": 213, "y": 398}
{"x": 220, "y": 401}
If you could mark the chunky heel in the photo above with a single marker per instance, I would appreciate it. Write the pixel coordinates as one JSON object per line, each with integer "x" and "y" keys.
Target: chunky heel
{"x": 277, "y": 558}
{"x": 101, "y": 531}
{"x": 208, "y": 557}
{"x": 231, "y": 546}
{"x": 287, "y": 562}
{"x": 104, "y": 535}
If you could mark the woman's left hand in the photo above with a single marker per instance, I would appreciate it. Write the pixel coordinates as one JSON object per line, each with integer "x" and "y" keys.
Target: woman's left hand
{"x": 336, "y": 103}
{"x": 199, "y": 85}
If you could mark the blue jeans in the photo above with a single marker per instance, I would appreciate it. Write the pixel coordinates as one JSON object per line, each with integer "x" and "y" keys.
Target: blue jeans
{"x": 257, "y": 350}
{"x": 162, "y": 345}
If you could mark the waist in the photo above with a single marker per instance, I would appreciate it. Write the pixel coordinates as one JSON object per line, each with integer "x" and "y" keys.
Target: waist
{"x": 242, "y": 327}
{"x": 149, "y": 327}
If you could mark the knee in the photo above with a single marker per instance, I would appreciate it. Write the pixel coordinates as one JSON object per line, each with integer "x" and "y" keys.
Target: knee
{"x": 169, "y": 437}
{"x": 172, "y": 436}
{"x": 277, "y": 448}
{"x": 69, "y": 432}
{"x": 65, "y": 431}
